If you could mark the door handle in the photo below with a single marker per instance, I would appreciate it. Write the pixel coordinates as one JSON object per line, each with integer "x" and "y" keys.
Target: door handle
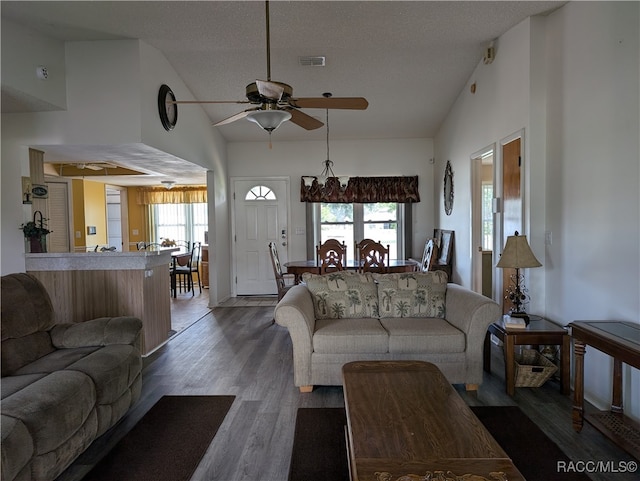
{"x": 284, "y": 243}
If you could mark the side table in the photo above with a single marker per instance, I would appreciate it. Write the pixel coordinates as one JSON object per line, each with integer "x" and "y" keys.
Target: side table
{"x": 538, "y": 332}
{"x": 620, "y": 340}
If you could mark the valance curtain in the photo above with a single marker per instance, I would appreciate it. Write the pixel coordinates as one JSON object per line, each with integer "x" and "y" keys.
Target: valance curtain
{"x": 402, "y": 189}
{"x": 189, "y": 194}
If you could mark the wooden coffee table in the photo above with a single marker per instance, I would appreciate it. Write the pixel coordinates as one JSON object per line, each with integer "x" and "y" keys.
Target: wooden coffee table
{"x": 403, "y": 417}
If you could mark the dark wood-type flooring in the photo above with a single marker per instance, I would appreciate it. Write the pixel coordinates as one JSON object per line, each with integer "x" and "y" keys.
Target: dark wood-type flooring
{"x": 239, "y": 351}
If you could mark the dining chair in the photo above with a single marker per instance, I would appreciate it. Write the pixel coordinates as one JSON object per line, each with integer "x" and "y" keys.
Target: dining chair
{"x": 283, "y": 281}
{"x": 179, "y": 265}
{"x": 374, "y": 257}
{"x": 331, "y": 256}
{"x": 429, "y": 255}
{"x": 186, "y": 271}
{"x": 360, "y": 246}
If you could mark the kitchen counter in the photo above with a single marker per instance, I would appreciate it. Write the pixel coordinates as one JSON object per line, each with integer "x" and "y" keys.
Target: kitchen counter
{"x": 85, "y": 286}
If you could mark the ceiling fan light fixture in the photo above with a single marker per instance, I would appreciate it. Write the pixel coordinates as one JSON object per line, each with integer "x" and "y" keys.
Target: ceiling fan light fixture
{"x": 268, "y": 120}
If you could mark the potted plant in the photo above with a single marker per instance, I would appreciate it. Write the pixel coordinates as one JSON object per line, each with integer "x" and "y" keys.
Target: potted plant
{"x": 36, "y": 231}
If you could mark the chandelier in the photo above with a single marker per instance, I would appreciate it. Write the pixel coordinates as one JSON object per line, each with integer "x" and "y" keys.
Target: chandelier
{"x": 327, "y": 178}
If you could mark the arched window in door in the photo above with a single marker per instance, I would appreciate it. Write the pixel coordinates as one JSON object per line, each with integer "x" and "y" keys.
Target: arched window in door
{"x": 260, "y": 192}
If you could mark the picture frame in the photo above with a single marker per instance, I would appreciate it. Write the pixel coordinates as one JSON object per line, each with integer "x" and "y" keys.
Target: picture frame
{"x": 446, "y": 246}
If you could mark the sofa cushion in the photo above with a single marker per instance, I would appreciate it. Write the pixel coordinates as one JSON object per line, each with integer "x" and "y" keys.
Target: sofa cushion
{"x": 27, "y": 314}
{"x": 409, "y": 335}
{"x": 55, "y": 361}
{"x": 21, "y": 351}
{"x": 53, "y": 408}
{"x": 113, "y": 370}
{"x": 335, "y": 336}
{"x": 17, "y": 447}
{"x": 412, "y": 294}
{"x": 13, "y": 384}
{"x": 342, "y": 294}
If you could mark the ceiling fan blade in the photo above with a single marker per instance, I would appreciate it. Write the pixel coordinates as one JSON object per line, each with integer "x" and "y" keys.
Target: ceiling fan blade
{"x": 303, "y": 120}
{"x": 233, "y": 118}
{"x": 270, "y": 90}
{"x": 353, "y": 103}
{"x": 209, "y": 102}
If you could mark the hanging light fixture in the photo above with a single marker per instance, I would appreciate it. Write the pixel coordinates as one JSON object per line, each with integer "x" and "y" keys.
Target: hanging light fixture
{"x": 269, "y": 119}
{"x": 168, "y": 184}
{"x": 324, "y": 180}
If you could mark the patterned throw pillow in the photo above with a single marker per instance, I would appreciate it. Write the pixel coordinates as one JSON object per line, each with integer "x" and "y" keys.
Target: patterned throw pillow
{"x": 412, "y": 294}
{"x": 342, "y": 294}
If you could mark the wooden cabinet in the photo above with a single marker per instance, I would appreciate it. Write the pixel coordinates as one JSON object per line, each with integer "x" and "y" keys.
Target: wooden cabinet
{"x": 204, "y": 273}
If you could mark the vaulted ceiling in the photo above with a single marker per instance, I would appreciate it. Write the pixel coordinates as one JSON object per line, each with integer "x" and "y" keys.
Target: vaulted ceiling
{"x": 409, "y": 59}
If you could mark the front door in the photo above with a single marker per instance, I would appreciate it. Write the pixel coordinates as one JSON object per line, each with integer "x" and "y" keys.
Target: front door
{"x": 260, "y": 215}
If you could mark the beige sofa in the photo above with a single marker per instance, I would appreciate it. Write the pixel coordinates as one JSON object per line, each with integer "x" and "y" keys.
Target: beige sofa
{"x": 344, "y": 316}
{"x": 63, "y": 385}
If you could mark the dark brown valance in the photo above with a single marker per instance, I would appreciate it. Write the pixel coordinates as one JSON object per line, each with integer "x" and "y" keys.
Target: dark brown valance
{"x": 363, "y": 190}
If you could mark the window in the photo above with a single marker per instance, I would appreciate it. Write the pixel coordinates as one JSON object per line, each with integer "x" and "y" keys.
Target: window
{"x": 180, "y": 221}
{"x": 260, "y": 192}
{"x": 350, "y": 223}
{"x": 487, "y": 217}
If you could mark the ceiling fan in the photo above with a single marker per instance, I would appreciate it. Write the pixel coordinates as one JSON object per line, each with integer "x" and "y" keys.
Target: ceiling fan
{"x": 275, "y": 104}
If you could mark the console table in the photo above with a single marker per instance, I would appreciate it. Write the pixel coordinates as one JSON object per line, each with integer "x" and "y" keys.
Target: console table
{"x": 620, "y": 340}
{"x": 403, "y": 417}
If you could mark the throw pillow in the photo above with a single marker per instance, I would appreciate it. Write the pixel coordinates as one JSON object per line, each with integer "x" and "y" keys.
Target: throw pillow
{"x": 412, "y": 294}
{"x": 342, "y": 294}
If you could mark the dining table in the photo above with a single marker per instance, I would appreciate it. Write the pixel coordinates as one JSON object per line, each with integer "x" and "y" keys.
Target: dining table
{"x": 297, "y": 268}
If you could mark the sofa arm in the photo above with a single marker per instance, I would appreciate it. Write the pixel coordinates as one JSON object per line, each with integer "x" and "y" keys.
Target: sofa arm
{"x": 295, "y": 312}
{"x": 472, "y": 313}
{"x": 98, "y": 332}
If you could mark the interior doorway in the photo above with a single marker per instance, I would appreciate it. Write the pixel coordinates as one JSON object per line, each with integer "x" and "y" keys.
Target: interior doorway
{"x": 484, "y": 213}
{"x": 117, "y": 218}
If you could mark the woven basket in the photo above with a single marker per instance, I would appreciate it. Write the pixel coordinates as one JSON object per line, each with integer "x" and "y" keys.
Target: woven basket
{"x": 533, "y": 369}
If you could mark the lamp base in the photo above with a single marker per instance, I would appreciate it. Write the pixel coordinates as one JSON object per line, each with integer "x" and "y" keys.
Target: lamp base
{"x": 521, "y": 315}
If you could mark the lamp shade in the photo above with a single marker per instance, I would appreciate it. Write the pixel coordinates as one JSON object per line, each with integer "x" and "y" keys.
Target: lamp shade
{"x": 517, "y": 253}
{"x": 269, "y": 120}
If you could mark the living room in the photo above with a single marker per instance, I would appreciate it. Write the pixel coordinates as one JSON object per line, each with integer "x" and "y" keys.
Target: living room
{"x": 566, "y": 82}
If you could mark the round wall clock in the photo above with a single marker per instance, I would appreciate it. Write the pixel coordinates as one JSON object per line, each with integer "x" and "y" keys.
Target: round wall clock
{"x": 448, "y": 189}
{"x": 166, "y": 108}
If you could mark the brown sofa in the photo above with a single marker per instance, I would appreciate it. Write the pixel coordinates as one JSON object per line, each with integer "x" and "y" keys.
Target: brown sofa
{"x": 63, "y": 385}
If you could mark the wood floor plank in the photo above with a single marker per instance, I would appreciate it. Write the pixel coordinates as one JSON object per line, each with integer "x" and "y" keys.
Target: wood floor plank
{"x": 238, "y": 351}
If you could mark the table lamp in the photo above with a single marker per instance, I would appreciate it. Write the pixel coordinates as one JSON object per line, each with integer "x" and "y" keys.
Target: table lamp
{"x": 517, "y": 255}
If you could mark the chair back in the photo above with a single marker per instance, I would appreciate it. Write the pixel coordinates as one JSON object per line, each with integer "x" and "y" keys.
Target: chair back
{"x": 277, "y": 271}
{"x": 183, "y": 260}
{"x": 429, "y": 255}
{"x": 331, "y": 256}
{"x": 195, "y": 254}
{"x": 359, "y": 247}
{"x": 374, "y": 257}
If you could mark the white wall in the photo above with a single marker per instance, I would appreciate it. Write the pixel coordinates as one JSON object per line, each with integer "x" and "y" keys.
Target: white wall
{"x": 35, "y": 50}
{"x": 593, "y": 178}
{"x": 571, "y": 81}
{"x": 350, "y": 157}
{"x": 111, "y": 97}
{"x": 498, "y": 108}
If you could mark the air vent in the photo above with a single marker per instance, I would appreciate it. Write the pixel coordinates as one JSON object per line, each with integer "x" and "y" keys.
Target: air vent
{"x": 309, "y": 61}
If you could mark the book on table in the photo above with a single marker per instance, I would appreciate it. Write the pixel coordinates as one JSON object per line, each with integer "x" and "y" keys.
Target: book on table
{"x": 513, "y": 322}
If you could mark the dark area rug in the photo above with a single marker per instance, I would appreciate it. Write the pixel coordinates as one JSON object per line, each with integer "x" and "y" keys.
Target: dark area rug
{"x": 167, "y": 443}
{"x": 319, "y": 451}
{"x": 319, "y": 446}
